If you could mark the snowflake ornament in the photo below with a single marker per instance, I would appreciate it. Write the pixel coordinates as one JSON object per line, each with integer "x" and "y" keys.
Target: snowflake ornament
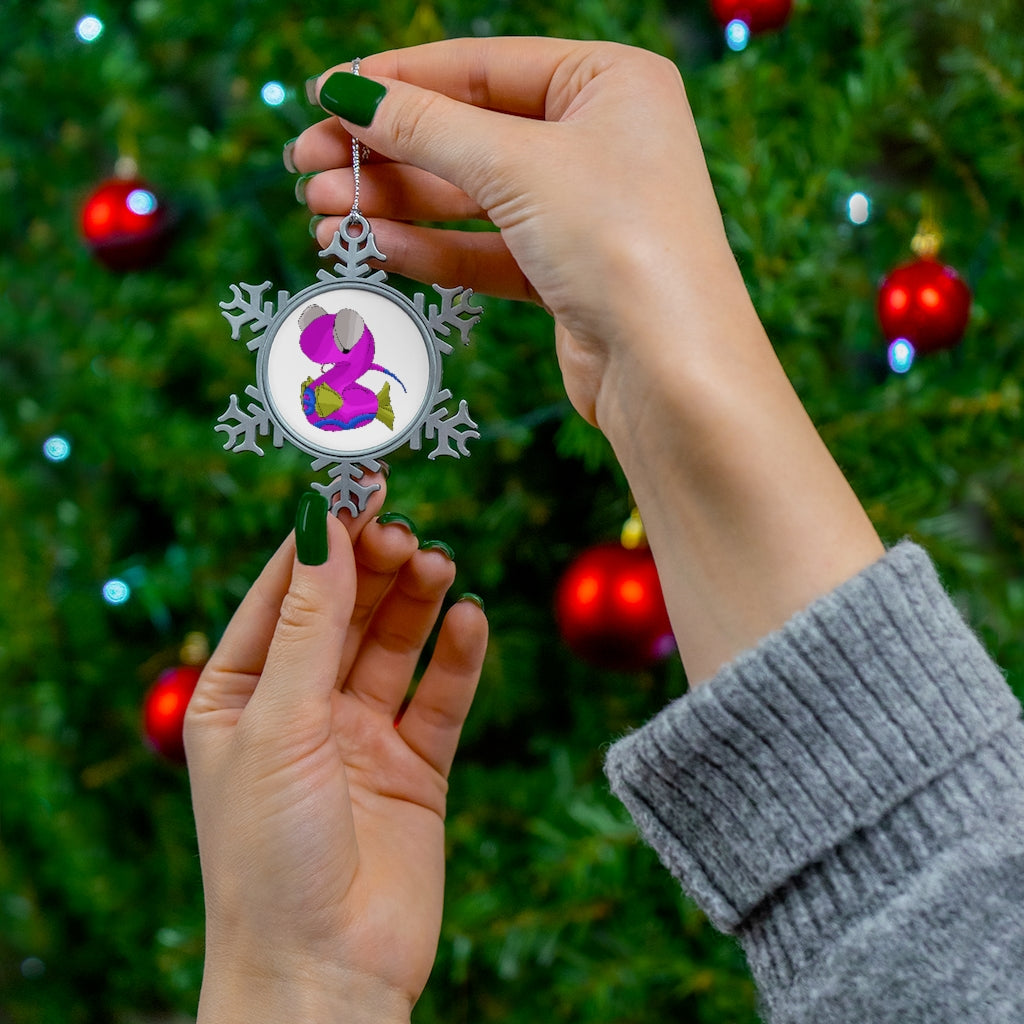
{"x": 349, "y": 369}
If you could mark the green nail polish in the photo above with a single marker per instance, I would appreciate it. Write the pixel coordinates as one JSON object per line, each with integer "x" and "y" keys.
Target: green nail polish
{"x": 352, "y": 97}
{"x": 311, "y": 529}
{"x": 314, "y": 223}
{"x": 300, "y": 187}
{"x": 287, "y": 156}
{"x": 438, "y": 545}
{"x": 473, "y": 599}
{"x": 397, "y": 517}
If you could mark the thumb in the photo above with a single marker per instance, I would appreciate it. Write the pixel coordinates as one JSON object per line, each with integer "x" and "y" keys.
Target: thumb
{"x": 302, "y": 662}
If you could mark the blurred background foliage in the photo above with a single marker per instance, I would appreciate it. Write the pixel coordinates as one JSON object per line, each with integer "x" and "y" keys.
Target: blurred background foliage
{"x": 555, "y": 911}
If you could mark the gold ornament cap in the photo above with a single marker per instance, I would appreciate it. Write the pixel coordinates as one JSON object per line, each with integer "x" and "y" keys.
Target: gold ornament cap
{"x": 195, "y": 649}
{"x": 633, "y": 534}
{"x": 928, "y": 240}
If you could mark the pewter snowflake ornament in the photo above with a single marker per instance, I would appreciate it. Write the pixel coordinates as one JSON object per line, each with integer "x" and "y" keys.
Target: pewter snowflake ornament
{"x": 349, "y": 369}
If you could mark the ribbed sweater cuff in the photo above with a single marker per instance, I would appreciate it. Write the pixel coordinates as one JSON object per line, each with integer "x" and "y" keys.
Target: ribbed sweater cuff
{"x": 867, "y": 697}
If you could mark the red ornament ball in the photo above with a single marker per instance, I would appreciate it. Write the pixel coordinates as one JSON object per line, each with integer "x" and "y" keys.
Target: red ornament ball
{"x": 611, "y": 611}
{"x": 925, "y": 302}
{"x": 757, "y": 15}
{"x": 163, "y": 711}
{"x": 125, "y": 224}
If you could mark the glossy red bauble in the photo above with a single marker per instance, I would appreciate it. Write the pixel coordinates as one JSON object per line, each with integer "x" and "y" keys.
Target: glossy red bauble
{"x": 925, "y": 302}
{"x": 125, "y": 224}
{"x": 163, "y": 712}
{"x": 610, "y": 608}
{"x": 757, "y": 15}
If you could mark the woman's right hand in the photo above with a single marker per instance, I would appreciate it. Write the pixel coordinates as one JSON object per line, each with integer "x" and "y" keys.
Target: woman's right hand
{"x": 585, "y": 156}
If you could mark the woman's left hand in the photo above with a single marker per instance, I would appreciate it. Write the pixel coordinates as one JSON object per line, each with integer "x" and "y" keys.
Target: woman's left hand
{"x": 319, "y": 811}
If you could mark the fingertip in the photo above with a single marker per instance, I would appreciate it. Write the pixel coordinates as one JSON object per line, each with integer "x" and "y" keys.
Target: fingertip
{"x": 355, "y": 524}
{"x": 472, "y": 599}
{"x": 384, "y": 545}
{"x": 467, "y": 627}
{"x": 339, "y": 535}
{"x": 427, "y": 575}
{"x": 351, "y": 96}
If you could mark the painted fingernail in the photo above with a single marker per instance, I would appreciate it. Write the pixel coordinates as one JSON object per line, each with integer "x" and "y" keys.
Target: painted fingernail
{"x": 397, "y": 517}
{"x": 438, "y": 545}
{"x": 300, "y": 187}
{"x": 385, "y": 468}
{"x": 311, "y": 529}
{"x": 352, "y": 97}
{"x": 288, "y": 156}
{"x": 311, "y": 91}
{"x": 473, "y": 599}
{"x": 314, "y": 223}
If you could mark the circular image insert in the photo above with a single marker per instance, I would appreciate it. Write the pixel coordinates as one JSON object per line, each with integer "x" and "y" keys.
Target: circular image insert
{"x": 348, "y": 372}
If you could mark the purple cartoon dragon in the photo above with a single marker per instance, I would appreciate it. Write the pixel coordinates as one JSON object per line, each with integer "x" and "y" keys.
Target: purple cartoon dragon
{"x": 343, "y": 344}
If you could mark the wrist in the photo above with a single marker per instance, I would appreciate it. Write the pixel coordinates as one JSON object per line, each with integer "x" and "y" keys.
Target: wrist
{"x": 312, "y": 994}
{"x": 679, "y": 328}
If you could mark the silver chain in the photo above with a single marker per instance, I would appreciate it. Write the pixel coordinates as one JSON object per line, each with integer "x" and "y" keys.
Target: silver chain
{"x": 356, "y": 146}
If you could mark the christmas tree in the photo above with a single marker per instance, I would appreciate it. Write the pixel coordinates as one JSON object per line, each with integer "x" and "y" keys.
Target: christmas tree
{"x": 832, "y": 141}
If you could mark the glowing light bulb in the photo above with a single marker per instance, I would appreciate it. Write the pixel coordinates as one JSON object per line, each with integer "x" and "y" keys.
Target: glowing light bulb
{"x": 273, "y": 94}
{"x": 901, "y": 355}
{"x": 858, "y": 208}
{"x": 89, "y": 28}
{"x": 141, "y": 201}
{"x": 737, "y": 35}
{"x": 56, "y": 448}
{"x": 116, "y": 591}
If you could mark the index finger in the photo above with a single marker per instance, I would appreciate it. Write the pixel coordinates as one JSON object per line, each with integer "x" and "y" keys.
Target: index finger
{"x": 511, "y": 75}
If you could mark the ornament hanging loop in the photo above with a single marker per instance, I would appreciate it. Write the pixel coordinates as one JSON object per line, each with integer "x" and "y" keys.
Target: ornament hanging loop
{"x": 355, "y": 227}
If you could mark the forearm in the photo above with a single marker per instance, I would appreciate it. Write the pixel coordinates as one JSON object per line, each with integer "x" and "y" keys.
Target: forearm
{"x": 748, "y": 515}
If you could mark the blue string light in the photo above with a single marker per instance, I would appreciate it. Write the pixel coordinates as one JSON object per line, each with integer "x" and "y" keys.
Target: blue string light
{"x": 56, "y": 448}
{"x": 116, "y": 591}
{"x": 737, "y": 35}
{"x": 89, "y": 28}
{"x": 901, "y": 355}
{"x": 141, "y": 201}
{"x": 273, "y": 94}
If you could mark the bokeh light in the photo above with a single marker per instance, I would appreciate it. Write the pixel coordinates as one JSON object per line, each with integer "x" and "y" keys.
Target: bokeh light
{"x": 273, "y": 94}
{"x": 901, "y": 355}
{"x": 89, "y": 28}
{"x": 737, "y": 35}
{"x": 858, "y": 208}
{"x": 56, "y": 448}
{"x": 141, "y": 201}
{"x": 116, "y": 591}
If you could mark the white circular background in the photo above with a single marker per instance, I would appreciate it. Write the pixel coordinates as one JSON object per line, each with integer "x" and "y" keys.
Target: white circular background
{"x": 399, "y": 345}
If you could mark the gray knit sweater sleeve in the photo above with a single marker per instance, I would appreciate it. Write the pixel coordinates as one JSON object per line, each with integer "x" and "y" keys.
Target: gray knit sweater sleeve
{"x": 848, "y": 799}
